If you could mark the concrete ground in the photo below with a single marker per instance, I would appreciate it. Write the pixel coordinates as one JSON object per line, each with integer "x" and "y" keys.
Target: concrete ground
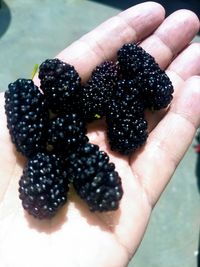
{"x": 31, "y": 31}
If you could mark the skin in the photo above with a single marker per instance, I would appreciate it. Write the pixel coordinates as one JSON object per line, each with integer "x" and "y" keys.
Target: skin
{"x": 75, "y": 236}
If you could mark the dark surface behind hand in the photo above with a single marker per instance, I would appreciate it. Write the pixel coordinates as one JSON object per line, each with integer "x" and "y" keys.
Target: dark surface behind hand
{"x": 170, "y": 5}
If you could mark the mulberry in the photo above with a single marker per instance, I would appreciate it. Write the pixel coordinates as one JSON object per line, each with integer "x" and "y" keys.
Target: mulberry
{"x": 66, "y": 133}
{"x": 127, "y": 98}
{"x": 60, "y": 83}
{"x": 127, "y": 128}
{"x": 136, "y": 63}
{"x": 95, "y": 179}
{"x": 27, "y": 116}
{"x": 43, "y": 186}
{"x": 95, "y": 96}
{"x": 126, "y": 132}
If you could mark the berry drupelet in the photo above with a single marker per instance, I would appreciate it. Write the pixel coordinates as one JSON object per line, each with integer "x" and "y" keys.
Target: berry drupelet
{"x": 66, "y": 133}
{"x": 158, "y": 91}
{"x": 126, "y": 126}
{"x": 127, "y": 98}
{"x": 136, "y": 63}
{"x": 98, "y": 91}
{"x": 95, "y": 179}
{"x": 43, "y": 186}
{"x": 126, "y": 132}
{"x": 133, "y": 59}
{"x": 27, "y": 116}
{"x": 60, "y": 83}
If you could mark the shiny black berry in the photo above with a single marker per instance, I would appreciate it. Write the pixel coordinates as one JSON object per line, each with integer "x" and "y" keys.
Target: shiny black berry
{"x": 95, "y": 179}
{"x": 27, "y": 116}
{"x": 136, "y": 63}
{"x": 66, "y": 133}
{"x": 127, "y": 98}
{"x": 97, "y": 93}
{"x": 60, "y": 83}
{"x": 43, "y": 186}
{"x": 126, "y": 132}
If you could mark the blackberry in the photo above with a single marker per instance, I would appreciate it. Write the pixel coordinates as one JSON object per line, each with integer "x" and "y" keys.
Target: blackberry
{"x": 125, "y": 118}
{"x": 43, "y": 186}
{"x": 95, "y": 179}
{"x": 27, "y": 116}
{"x": 97, "y": 93}
{"x": 136, "y": 63}
{"x": 158, "y": 91}
{"x": 126, "y": 132}
{"x": 66, "y": 133}
{"x": 127, "y": 98}
{"x": 133, "y": 60}
{"x": 60, "y": 83}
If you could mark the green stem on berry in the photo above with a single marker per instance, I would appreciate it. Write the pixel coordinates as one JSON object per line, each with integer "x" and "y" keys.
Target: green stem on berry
{"x": 35, "y": 69}
{"x": 97, "y": 116}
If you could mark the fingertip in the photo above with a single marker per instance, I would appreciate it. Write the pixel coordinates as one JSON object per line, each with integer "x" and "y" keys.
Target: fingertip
{"x": 152, "y": 5}
{"x": 155, "y": 5}
{"x": 157, "y": 8}
{"x": 152, "y": 11}
{"x": 188, "y": 15}
{"x": 178, "y": 30}
{"x": 148, "y": 5}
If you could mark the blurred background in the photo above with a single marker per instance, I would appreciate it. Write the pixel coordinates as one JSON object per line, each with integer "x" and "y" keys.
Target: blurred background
{"x": 31, "y": 31}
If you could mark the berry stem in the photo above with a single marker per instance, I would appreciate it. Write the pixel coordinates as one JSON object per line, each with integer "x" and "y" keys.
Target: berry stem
{"x": 97, "y": 116}
{"x": 34, "y": 71}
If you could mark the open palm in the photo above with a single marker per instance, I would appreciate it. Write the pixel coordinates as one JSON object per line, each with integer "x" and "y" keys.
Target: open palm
{"x": 75, "y": 236}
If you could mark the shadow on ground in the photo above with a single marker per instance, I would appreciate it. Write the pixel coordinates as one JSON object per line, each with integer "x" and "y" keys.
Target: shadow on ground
{"x": 198, "y": 184}
{"x": 170, "y": 5}
{"x": 5, "y": 17}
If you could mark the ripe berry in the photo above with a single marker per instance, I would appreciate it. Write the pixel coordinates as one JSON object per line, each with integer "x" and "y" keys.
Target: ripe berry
{"x": 60, "y": 83}
{"x": 95, "y": 179}
{"x": 27, "y": 116}
{"x": 43, "y": 186}
{"x": 136, "y": 63}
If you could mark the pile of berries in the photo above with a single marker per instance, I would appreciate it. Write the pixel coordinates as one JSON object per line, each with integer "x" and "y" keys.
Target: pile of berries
{"x": 48, "y": 126}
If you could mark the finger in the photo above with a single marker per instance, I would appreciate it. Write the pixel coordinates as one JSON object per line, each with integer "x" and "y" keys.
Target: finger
{"x": 102, "y": 43}
{"x": 169, "y": 141}
{"x": 172, "y": 36}
{"x": 185, "y": 65}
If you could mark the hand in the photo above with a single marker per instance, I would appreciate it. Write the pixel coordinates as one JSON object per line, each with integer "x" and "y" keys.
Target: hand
{"x": 75, "y": 236}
